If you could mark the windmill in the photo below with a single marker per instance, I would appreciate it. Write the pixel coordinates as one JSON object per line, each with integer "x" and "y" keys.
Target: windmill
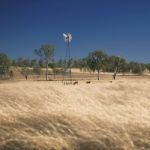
{"x": 67, "y": 38}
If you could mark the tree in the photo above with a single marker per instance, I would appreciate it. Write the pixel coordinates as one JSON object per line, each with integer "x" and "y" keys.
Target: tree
{"x": 116, "y": 66}
{"x": 23, "y": 62}
{"x": 148, "y": 67}
{"x": 33, "y": 63}
{"x": 96, "y": 61}
{"x": 41, "y": 63}
{"x": 123, "y": 66}
{"x": 4, "y": 65}
{"x": 46, "y": 53}
{"x": 82, "y": 64}
{"x": 60, "y": 63}
{"x": 111, "y": 63}
{"x": 14, "y": 63}
{"x": 143, "y": 67}
{"x": 136, "y": 67}
{"x": 120, "y": 66}
{"x": 53, "y": 67}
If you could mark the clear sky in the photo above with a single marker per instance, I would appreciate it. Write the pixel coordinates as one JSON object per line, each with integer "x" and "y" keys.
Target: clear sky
{"x": 119, "y": 27}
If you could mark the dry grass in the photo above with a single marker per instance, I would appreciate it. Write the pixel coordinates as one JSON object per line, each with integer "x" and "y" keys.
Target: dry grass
{"x": 102, "y": 115}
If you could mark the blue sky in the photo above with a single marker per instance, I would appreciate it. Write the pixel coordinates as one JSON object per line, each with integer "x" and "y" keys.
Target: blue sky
{"x": 119, "y": 27}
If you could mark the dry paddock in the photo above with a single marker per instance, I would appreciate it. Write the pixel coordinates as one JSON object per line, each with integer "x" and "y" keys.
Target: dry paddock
{"x": 102, "y": 115}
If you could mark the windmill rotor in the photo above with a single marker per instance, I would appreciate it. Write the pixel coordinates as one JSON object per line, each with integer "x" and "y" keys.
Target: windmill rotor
{"x": 67, "y": 37}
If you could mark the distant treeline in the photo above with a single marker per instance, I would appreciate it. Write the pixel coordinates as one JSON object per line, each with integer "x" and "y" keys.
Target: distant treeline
{"x": 97, "y": 60}
{"x": 81, "y": 63}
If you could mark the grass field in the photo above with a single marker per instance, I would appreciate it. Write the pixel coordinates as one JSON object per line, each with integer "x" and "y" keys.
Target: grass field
{"x": 103, "y": 115}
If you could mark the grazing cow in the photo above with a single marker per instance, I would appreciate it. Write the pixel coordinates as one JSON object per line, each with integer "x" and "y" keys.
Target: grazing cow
{"x": 75, "y": 82}
{"x": 88, "y": 82}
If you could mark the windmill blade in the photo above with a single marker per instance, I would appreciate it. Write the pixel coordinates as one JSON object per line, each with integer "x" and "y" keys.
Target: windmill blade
{"x": 69, "y": 37}
{"x": 65, "y": 37}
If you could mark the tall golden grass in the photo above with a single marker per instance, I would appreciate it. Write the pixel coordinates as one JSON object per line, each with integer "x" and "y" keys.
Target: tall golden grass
{"x": 102, "y": 115}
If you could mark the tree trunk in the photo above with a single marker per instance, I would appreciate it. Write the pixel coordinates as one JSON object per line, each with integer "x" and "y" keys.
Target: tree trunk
{"x": 115, "y": 73}
{"x": 46, "y": 70}
{"x": 98, "y": 74}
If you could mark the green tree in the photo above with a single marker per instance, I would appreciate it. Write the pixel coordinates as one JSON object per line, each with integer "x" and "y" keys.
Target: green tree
{"x": 41, "y": 63}
{"x": 5, "y": 64}
{"x": 60, "y": 63}
{"x": 111, "y": 63}
{"x": 33, "y": 63}
{"x": 117, "y": 62}
{"x": 19, "y": 62}
{"x": 136, "y": 67}
{"x": 23, "y": 62}
{"x": 148, "y": 67}
{"x": 46, "y": 53}
{"x": 53, "y": 66}
{"x": 143, "y": 67}
{"x": 75, "y": 63}
{"x": 96, "y": 61}
{"x": 82, "y": 64}
{"x": 14, "y": 63}
{"x": 124, "y": 66}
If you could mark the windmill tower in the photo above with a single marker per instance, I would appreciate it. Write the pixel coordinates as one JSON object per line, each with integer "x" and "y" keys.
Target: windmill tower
{"x": 67, "y": 38}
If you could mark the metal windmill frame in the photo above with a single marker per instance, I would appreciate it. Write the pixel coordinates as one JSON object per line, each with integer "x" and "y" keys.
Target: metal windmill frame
{"x": 67, "y": 65}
